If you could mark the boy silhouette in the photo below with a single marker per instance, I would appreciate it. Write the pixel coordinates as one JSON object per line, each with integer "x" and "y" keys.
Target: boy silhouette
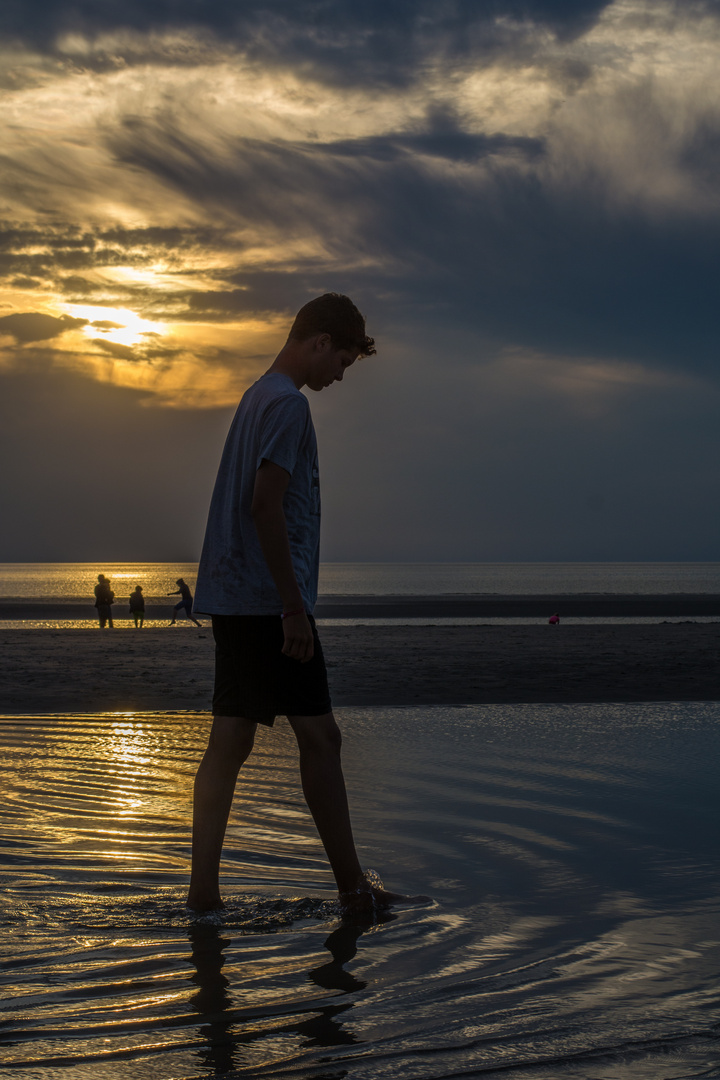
{"x": 258, "y": 579}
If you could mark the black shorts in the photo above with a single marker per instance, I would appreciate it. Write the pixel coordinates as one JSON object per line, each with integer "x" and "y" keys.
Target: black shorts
{"x": 253, "y": 678}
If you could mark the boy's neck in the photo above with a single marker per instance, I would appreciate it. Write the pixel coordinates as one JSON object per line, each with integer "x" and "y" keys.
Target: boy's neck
{"x": 291, "y": 361}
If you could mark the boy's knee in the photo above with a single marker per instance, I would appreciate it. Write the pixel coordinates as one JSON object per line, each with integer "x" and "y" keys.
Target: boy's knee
{"x": 332, "y": 739}
{"x": 231, "y": 740}
{"x": 322, "y": 736}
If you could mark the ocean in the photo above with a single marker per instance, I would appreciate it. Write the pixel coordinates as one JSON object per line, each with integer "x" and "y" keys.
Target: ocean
{"x": 74, "y": 582}
{"x": 60, "y": 595}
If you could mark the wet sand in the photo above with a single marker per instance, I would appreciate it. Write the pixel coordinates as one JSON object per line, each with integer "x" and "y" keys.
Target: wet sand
{"x": 172, "y": 668}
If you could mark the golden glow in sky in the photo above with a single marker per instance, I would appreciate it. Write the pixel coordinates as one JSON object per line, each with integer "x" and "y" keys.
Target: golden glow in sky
{"x": 182, "y": 198}
{"x": 119, "y": 325}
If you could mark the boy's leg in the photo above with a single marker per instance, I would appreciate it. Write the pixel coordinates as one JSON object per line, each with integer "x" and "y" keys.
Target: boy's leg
{"x": 319, "y": 742}
{"x": 231, "y": 741}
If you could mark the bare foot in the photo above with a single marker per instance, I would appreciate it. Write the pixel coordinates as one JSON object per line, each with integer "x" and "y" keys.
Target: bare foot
{"x": 202, "y": 902}
{"x": 372, "y": 897}
{"x": 366, "y": 904}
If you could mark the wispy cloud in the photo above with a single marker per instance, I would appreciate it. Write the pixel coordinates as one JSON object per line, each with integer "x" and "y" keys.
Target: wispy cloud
{"x": 346, "y": 42}
{"x": 548, "y": 180}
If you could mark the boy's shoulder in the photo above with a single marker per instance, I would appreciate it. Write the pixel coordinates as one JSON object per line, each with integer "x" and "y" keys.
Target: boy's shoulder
{"x": 273, "y": 394}
{"x": 273, "y": 386}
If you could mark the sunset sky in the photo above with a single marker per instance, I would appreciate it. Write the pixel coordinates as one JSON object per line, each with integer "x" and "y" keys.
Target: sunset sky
{"x": 523, "y": 198}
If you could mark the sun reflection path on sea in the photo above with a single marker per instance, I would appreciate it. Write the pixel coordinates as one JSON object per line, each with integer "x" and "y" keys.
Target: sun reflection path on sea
{"x": 124, "y": 756}
{"x": 571, "y": 853}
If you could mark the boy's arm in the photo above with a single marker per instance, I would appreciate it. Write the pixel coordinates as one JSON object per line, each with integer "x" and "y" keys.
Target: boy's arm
{"x": 268, "y": 515}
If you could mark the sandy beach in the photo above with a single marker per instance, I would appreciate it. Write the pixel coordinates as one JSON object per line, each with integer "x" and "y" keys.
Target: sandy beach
{"x": 172, "y": 668}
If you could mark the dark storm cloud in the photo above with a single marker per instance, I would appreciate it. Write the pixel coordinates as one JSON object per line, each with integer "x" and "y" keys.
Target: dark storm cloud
{"x": 33, "y": 326}
{"x": 497, "y": 246}
{"x": 447, "y": 142}
{"x": 502, "y": 249}
{"x": 434, "y": 219}
{"x": 47, "y": 18}
{"x": 342, "y": 40}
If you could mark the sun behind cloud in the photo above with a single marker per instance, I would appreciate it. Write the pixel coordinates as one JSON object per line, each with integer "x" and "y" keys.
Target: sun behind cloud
{"x": 118, "y": 325}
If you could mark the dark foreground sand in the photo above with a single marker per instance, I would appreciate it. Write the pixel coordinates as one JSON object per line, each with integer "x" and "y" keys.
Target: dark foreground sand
{"x": 168, "y": 669}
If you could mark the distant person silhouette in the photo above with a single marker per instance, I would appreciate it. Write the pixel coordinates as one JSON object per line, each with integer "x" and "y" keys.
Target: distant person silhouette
{"x": 554, "y": 620}
{"x": 137, "y": 607}
{"x": 186, "y": 602}
{"x": 104, "y": 597}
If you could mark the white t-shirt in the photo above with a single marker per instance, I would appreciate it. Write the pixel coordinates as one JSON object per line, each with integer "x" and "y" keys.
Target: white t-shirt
{"x": 272, "y": 423}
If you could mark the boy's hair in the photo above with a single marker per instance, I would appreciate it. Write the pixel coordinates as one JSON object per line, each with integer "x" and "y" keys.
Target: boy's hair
{"x": 336, "y": 315}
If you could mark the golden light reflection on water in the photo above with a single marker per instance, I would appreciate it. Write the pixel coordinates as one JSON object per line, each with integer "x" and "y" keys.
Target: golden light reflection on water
{"x": 131, "y": 796}
{"x": 121, "y": 622}
{"x": 500, "y": 972}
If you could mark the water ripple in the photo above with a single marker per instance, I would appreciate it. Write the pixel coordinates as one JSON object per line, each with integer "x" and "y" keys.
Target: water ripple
{"x": 571, "y": 853}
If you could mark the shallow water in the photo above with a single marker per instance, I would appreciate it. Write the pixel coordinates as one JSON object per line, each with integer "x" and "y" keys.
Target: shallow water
{"x": 571, "y": 853}
{"x": 427, "y": 620}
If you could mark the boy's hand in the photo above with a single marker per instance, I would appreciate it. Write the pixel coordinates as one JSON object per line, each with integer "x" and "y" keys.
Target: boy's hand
{"x": 299, "y": 642}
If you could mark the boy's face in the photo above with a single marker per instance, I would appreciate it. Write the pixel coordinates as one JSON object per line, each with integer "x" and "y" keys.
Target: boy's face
{"x": 328, "y": 364}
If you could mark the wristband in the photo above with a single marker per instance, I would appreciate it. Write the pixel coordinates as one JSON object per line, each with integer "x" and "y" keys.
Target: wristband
{"x": 298, "y": 611}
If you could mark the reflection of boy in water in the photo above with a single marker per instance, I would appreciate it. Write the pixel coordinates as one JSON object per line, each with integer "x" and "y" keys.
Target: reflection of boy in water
{"x": 258, "y": 579}
{"x": 104, "y": 597}
{"x": 186, "y": 602}
{"x": 137, "y": 606}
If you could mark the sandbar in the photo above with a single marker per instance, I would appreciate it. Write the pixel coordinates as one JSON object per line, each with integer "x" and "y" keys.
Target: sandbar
{"x": 88, "y": 671}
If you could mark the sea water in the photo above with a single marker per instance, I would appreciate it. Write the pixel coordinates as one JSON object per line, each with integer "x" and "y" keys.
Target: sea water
{"x": 30, "y": 584}
{"x": 74, "y": 582}
{"x": 571, "y": 854}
